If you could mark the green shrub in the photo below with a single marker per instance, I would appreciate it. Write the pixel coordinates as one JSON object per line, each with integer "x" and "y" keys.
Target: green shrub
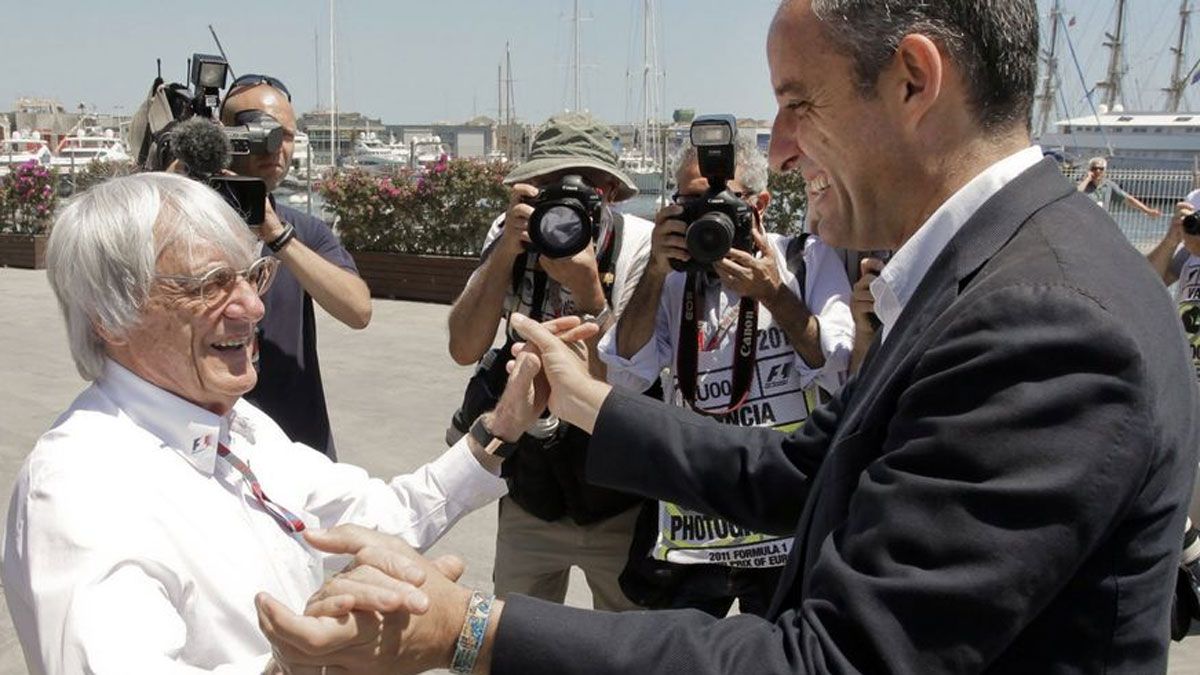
{"x": 789, "y": 201}
{"x": 443, "y": 210}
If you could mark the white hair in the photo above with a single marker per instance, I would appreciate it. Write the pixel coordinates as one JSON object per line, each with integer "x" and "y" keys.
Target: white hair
{"x": 750, "y": 165}
{"x": 105, "y": 244}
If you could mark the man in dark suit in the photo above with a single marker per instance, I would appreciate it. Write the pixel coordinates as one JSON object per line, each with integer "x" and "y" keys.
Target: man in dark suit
{"x": 1002, "y": 487}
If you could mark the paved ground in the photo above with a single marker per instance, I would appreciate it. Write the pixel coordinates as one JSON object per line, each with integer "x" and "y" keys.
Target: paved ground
{"x": 391, "y": 389}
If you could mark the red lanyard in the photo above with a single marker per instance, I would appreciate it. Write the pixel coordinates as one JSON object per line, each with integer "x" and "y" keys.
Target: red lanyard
{"x": 286, "y": 519}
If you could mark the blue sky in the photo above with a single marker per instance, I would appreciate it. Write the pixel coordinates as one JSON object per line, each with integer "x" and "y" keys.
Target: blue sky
{"x": 416, "y": 60}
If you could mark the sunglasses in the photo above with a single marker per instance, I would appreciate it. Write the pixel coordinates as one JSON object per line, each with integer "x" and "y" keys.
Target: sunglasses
{"x": 252, "y": 79}
{"x": 215, "y": 285}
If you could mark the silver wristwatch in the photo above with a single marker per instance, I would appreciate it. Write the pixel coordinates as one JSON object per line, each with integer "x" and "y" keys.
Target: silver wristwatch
{"x": 598, "y": 319}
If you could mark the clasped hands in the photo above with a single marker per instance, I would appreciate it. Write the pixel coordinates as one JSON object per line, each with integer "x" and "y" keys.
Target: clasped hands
{"x": 391, "y": 610}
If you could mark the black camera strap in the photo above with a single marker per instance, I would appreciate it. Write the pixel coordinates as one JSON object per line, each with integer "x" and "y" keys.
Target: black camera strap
{"x": 745, "y": 346}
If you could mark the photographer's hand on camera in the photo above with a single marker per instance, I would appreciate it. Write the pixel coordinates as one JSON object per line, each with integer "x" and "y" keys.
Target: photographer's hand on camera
{"x": 1163, "y": 254}
{"x": 516, "y": 222}
{"x": 750, "y": 276}
{"x": 579, "y": 274}
{"x": 862, "y": 307}
{"x": 667, "y": 243}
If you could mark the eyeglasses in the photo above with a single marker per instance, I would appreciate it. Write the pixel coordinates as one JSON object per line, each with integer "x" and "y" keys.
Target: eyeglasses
{"x": 218, "y": 283}
{"x": 252, "y": 79}
{"x": 680, "y": 199}
{"x": 1097, "y": 168}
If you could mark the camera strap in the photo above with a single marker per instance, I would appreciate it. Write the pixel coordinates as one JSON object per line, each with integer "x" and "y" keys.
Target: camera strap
{"x": 745, "y": 346}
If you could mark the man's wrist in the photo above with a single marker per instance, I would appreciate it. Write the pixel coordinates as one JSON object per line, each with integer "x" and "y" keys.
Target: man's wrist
{"x": 501, "y": 425}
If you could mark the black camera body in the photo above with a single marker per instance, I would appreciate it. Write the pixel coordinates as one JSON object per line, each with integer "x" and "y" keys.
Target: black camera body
{"x": 247, "y": 196}
{"x": 566, "y": 217}
{"x": 1191, "y": 224}
{"x": 256, "y": 133}
{"x": 720, "y": 221}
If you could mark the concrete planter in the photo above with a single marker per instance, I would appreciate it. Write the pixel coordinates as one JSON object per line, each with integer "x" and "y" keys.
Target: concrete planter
{"x": 27, "y": 251}
{"x": 424, "y": 278}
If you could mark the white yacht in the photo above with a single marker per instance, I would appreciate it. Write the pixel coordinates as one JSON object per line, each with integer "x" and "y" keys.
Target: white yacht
{"x": 22, "y": 148}
{"x": 75, "y": 153}
{"x": 371, "y": 152}
{"x": 645, "y": 171}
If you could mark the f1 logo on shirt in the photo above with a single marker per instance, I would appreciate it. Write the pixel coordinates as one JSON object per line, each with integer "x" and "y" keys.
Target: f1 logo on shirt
{"x": 202, "y": 443}
{"x": 778, "y": 375}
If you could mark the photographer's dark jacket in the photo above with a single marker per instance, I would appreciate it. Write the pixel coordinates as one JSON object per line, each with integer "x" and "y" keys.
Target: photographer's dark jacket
{"x": 289, "y": 386}
{"x": 546, "y": 477}
{"x": 1001, "y": 489}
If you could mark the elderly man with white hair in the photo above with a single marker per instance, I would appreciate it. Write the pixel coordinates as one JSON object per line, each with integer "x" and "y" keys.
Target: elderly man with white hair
{"x": 154, "y": 509}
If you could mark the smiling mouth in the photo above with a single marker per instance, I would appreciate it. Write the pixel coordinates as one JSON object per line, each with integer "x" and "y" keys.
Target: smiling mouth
{"x": 231, "y": 345}
{"x": 818, "y": 185}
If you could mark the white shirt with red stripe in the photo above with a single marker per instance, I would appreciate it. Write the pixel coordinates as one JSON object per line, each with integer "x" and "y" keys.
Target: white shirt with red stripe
{"x": 131, "y": 548}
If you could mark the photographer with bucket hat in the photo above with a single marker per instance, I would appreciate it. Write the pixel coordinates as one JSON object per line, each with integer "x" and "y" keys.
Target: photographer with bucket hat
{"x": 560, "y": 249}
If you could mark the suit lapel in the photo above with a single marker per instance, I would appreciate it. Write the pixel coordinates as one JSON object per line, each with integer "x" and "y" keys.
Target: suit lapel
{"x": 983, "y": 235}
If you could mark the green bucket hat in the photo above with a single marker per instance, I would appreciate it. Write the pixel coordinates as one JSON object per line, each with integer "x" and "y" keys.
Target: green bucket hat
{"x": 573, "y": 141}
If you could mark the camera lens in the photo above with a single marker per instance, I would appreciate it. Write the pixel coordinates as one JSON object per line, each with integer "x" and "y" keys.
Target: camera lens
{"x": 1191, "y": 224}
{"x": 710, "y": 237}
{"x": 560, "y": 230}
{"x": 560, "y": 226}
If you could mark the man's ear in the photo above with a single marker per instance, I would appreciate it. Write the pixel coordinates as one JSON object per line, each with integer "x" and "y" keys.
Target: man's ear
{"x": 915, "y": 78}
{"x": 761, "y": 201}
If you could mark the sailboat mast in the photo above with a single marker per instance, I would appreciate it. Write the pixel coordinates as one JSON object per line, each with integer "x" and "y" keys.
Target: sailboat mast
{"x": 650, "y": 86}
{"x": 509, "y": 102}
{"x": 317, "y": 65}
{"x": 575, "y": 64}
{"x": 1179, "y": 80}
{"x": 333, "y": 109}
{"x": 1049, "y": 85}
{"x": 1116, "y": 42}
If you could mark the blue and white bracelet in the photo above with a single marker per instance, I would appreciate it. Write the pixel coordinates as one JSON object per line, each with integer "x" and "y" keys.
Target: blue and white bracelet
{"x": 470, "y": 639}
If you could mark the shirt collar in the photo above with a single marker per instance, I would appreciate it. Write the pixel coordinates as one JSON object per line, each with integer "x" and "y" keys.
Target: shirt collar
{"x": 184, "y": 427}
{"x": 896, "y": 284}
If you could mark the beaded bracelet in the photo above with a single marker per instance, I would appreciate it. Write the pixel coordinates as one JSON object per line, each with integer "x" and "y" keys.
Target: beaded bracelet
{"x": 470, "y": 639}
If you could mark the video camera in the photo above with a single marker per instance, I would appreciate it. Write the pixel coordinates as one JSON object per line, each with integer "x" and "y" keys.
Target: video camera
{"x": 566, "y": 216}
{"x": 720, "y": 220}
{"x": 182, "y": 122}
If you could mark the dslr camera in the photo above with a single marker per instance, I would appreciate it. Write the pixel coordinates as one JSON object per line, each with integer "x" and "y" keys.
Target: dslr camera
{"x": 566, "y": 216}
{"x": 720, "y": 220}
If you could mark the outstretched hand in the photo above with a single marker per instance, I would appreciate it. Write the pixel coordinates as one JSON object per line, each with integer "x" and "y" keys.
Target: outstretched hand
{"x": 574, "y": 395}
{"x": 371, "y": 618}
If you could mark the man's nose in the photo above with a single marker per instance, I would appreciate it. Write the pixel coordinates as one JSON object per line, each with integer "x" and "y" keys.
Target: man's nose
{"x": 245, "y": 304}
{"x": 782, "y": 150}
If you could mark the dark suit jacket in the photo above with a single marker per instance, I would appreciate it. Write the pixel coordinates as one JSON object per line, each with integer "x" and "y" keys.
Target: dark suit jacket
{"x": 1002, "y": 489}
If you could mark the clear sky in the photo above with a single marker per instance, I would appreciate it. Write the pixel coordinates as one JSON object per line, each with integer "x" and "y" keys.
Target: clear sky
{"x": 423, "y": 60}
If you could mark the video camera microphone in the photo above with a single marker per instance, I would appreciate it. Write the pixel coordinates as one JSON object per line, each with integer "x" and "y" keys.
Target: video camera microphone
{"x": 202, "y": 146}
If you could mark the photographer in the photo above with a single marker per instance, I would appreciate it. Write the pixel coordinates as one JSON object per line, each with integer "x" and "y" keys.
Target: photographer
{"x": 314, "y": 266}
{"x": 1106, "y": 192}
{"x": 1177, "y": 259}
{"x": 552, "y": 519}
{"x": 804, "y": 338}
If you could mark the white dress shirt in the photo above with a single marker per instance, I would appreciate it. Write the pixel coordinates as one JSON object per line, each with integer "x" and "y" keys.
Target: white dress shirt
{"x": 132, "y": 548}
{"x": 827, "y": 295}
{"x": 894, "y": 287}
